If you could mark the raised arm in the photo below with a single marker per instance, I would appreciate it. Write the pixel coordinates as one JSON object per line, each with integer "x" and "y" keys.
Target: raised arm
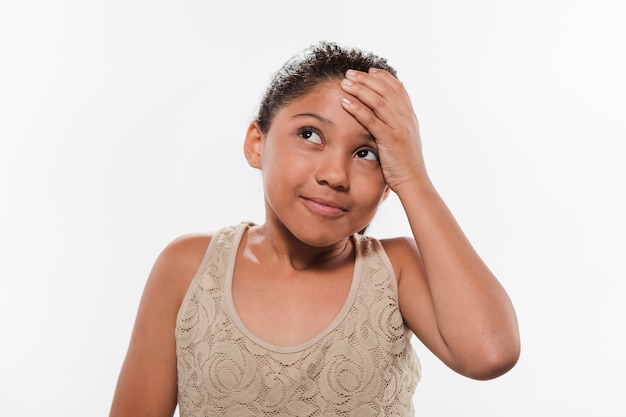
{"x": 448, "y": 296}
{"x": 147, "y": 385}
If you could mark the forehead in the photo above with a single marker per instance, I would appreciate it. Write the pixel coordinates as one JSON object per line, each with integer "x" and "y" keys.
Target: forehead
{"x": 322, "y": 104}
{"x": 318, "y": 94}
{"x": 323, "y": 100}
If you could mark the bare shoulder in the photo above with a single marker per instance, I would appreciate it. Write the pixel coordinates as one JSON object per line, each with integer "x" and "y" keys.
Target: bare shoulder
{"x": 403, "y": 254}
{"x": 177, "y": 263}
{"x": 147, "y": 381}
{"x": 186, "y": 248}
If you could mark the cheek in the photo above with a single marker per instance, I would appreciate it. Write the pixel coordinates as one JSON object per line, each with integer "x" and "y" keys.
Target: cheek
{"x": 281, "y": 172}
{"x": 373, "y": 185}
{"x": 381, "y": 196}
{"x": 371, "y": 199}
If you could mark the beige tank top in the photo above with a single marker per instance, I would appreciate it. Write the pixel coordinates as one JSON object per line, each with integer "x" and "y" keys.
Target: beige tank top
{"x": 362, "y": 364}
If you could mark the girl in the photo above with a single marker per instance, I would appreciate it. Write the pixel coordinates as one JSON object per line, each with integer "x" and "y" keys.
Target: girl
{"x": 303, "y": 315}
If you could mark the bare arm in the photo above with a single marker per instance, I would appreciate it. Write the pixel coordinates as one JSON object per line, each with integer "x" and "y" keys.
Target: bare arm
{"x": 147, "y": 385}
{"x": 448, "y": 297}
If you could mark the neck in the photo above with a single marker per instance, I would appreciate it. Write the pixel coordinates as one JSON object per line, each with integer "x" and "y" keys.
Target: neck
{"x": 278, "y": 245}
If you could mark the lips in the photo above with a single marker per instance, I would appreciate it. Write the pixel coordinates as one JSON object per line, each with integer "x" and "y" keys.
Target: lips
{"x": 324, "y": 207}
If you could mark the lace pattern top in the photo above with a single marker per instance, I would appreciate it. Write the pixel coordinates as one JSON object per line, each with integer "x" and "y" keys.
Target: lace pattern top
{"x": 362, "y": 364}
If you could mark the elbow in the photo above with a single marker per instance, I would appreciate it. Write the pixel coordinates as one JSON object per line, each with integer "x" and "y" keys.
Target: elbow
{"x": 492, "y": 362}
{"x": 493, "y": 367}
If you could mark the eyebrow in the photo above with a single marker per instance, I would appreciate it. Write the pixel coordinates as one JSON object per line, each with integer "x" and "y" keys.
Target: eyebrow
{"x": 324, "y": 120}
{"x": 329, "y": 122}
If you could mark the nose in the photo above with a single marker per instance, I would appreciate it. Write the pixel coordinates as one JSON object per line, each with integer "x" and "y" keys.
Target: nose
{"x": 332, "y": 170}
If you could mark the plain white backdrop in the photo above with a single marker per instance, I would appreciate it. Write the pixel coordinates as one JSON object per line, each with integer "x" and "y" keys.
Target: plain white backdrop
{"x": 121, "y": 125}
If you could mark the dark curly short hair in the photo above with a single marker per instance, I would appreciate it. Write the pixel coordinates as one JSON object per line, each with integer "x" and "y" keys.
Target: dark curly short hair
{"x": 318, "y": 63}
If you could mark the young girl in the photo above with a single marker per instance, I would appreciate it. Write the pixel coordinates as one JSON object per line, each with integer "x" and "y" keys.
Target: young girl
{"x": 303, "y": 315}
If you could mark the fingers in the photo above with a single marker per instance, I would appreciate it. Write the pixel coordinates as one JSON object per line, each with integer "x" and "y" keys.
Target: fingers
{"x": 380, "y": 92}
{"x": 378, "y": 101}
{"x": 364, "y": 116}
{"x": 381, "y": 101}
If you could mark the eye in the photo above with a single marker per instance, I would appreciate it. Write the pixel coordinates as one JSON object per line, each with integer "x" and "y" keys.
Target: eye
{"x": 368, "y": 154}
{"x": 310, "y": 135}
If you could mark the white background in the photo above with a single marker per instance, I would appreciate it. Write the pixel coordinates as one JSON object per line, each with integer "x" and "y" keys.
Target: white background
{"x": 121, "y": 125}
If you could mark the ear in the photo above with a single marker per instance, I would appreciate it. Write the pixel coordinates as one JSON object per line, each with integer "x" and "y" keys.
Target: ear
{"x": 252, "y": 145}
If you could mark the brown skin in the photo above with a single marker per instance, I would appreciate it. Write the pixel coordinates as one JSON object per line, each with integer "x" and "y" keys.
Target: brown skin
{"x": 322, "y": 184}
{"x": 448, "y": 297}
{"x": 147, "y": 381}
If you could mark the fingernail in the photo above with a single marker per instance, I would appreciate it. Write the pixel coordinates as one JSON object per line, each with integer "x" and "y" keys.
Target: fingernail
{"x": 346, "y": 82}
{"x": 346, "y": 101}
{"x": 350, "y": 73}
{"x": 373, "y": 70}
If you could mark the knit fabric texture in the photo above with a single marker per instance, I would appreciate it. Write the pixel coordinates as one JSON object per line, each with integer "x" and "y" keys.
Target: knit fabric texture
{"x": 362, "y": 364}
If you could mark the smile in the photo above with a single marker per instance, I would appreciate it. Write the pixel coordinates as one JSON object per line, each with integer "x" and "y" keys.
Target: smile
{"x": 324, "y": 207}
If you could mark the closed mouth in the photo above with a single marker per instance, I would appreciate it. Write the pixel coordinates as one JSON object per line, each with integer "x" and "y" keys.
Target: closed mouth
{"x": 325, "y": 207}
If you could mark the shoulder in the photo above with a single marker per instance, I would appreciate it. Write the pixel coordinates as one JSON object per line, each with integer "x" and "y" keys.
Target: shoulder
{"x": 178, "y": 262}
{"x": 403, "y": 254}
{"x": 147, "y": 382}
{"x": 182, "y": 257}
{"x": 398, "y": 244}
{"x": 185, "y": 249}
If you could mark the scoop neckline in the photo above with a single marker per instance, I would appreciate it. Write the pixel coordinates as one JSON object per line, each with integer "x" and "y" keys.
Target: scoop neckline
{"x": 234, "y": 315}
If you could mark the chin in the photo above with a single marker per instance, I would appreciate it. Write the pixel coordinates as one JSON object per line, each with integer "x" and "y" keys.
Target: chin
{"x": 321, "y": 237}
